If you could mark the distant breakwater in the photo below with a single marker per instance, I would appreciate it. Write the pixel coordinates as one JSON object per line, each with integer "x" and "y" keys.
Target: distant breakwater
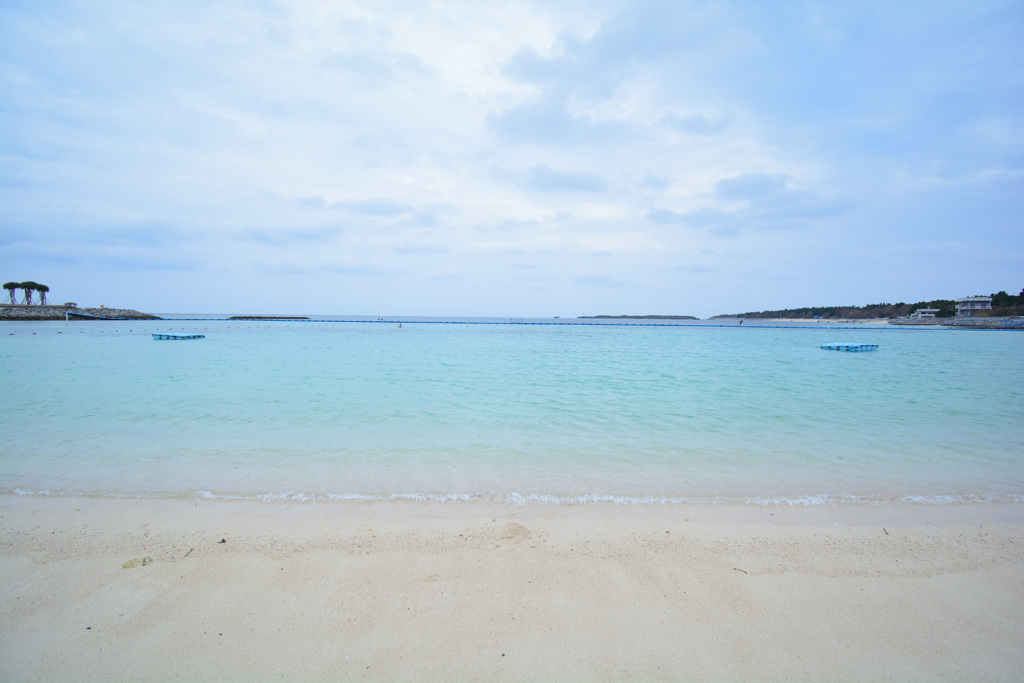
{"x": 269, "y": 317}
{"x": 24, "y": 312}
{"x": 991, "y": 323}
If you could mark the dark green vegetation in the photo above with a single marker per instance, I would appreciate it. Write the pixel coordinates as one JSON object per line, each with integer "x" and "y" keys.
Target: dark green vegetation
{"x": 1007, "y": 304}
{"x": 1003, "y": 304}
{"x": 643, "y": 317}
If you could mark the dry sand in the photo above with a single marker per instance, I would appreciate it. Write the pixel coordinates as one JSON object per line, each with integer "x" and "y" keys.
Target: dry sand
{"x": 414, "y": 592}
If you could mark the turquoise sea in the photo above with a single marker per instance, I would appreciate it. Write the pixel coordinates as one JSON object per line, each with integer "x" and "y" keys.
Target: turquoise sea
{"x": 565, "y": 412}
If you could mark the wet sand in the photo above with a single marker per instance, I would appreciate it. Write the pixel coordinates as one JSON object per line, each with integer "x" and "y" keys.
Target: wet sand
{"x": 262, "y": 591}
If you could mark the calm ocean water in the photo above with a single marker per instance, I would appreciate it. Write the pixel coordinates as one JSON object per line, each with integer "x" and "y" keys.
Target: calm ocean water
{"x": 542, "y": 414}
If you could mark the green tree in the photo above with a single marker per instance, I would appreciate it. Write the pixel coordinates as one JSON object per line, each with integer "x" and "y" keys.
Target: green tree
{"x": 42, "y": 289}
{"x": 12, "y": 288}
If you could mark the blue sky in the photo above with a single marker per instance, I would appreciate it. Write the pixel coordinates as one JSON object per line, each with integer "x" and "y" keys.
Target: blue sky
{"x": 548, "y": 158}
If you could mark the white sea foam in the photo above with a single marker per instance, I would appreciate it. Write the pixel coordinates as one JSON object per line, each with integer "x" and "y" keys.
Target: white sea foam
{"x": 516, "y": 499}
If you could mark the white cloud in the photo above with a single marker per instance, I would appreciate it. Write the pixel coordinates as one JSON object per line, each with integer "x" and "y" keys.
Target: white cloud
{"x": 449, "y": 146}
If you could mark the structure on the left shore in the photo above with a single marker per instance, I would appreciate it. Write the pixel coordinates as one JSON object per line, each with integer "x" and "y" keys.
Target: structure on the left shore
{"x": 27, "y": 288}
{"x": 73, "y": 312}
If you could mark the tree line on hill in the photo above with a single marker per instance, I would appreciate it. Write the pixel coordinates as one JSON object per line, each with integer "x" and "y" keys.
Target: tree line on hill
{"x": 1003, "y": 304}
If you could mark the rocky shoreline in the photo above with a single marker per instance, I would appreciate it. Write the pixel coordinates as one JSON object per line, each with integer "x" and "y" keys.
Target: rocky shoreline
{"x": 992, "y": 323}
{"x": 23, "y": 312}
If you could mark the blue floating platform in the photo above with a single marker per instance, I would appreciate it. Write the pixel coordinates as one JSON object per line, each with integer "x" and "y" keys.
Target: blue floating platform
{"x": 846, "y": 346}
{"x": 179, "y": 336}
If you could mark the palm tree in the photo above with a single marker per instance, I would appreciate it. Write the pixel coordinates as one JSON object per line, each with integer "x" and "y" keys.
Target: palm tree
{"x": 27, "y": 288}
{"x": 42, "y": 289}
{"x": 11, "y": 288}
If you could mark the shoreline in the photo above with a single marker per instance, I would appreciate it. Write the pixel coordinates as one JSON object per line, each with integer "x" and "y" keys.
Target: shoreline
{"x": 405, "y": 590}
{"x": 431, "y": 511}
{"x": 550, "y": 501}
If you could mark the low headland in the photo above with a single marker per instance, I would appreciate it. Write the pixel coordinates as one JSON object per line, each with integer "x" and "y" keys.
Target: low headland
{"x": 1003, "y": 306}
{"x": 26, "y": 312}
{"x": 1006, "y": 313}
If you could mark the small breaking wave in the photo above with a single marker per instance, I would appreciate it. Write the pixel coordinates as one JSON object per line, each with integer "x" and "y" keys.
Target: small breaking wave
{"x": 517, "y": 499}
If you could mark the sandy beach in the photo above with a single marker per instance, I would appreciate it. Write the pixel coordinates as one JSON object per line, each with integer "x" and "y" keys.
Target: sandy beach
{"x": 261, "y": 591}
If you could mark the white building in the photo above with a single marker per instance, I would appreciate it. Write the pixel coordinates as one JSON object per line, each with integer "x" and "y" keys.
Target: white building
{"x": 924, "y": 313}
{"x": 969, "y": 306}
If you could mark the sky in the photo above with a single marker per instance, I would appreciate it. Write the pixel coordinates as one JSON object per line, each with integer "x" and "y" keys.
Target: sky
{"x": 554, "y": 158}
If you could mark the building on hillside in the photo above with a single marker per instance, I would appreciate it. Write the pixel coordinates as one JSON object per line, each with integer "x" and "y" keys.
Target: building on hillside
{"x": 924, "y": 313}
{"x": 971, "y": 306}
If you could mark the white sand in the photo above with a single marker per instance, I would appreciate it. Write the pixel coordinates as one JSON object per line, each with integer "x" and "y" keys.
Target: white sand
{"x": 413, "y": 592}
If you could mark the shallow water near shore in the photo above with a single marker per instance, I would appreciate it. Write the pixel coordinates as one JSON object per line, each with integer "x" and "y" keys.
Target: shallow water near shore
{"x": 484, "y": 410}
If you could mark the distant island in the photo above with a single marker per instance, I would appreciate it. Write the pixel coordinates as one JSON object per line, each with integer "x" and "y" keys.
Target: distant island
{"x": 642, "y": 317}
{"x": 1003, "y": 305}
